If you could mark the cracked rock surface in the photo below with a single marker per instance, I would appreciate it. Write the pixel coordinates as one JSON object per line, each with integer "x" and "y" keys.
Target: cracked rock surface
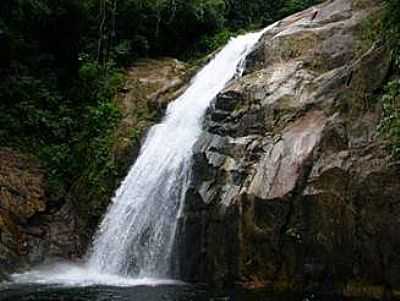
{"x": 291, "y": 184}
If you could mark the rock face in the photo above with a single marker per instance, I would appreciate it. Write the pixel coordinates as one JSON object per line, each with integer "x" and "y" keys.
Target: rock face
{"x": 151, "y": 85}
{"x": 32, "y": 228}
{"x": 291, "y": 184}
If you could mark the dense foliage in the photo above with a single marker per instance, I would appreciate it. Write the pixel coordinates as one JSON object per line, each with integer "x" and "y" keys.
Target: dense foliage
{"x": 61, "y": 62}
{"x": 56, "y": 98}
{"x": 390, "y": 125}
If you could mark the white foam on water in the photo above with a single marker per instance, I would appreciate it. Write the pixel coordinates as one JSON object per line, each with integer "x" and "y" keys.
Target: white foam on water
{"x": 74, "y": 275}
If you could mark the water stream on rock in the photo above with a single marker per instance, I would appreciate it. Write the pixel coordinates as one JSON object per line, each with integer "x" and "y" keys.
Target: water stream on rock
{"x": 136, "y": 236}
{"x": 135, "y": 239}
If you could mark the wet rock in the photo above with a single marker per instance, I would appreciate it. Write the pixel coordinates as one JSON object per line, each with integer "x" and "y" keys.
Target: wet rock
{"x": 31, "y": 228}
{"x": 150, "y": 86}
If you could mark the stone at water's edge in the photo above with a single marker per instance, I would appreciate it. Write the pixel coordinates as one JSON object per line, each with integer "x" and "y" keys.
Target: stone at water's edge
{"x": 32, "y": 228}
{"x": 291, "y": 184}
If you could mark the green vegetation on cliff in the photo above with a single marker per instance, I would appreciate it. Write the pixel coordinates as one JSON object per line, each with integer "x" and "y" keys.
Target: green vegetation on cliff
{"x": 390, "y": 125}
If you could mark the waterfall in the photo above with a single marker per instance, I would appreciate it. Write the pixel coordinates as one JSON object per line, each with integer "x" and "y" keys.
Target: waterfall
{"x": 136, "y": 236}
{"x": 134, "y": 243}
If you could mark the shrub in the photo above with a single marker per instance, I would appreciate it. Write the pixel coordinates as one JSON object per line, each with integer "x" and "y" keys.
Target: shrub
{"x": 390, "y": 124}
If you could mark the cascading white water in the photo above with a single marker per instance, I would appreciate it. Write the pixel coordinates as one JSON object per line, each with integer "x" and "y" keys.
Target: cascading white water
{"x": 136, "y": 235}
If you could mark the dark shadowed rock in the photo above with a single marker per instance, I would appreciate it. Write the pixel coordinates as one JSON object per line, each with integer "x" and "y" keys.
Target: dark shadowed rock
{"x": 31, "y": 228}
